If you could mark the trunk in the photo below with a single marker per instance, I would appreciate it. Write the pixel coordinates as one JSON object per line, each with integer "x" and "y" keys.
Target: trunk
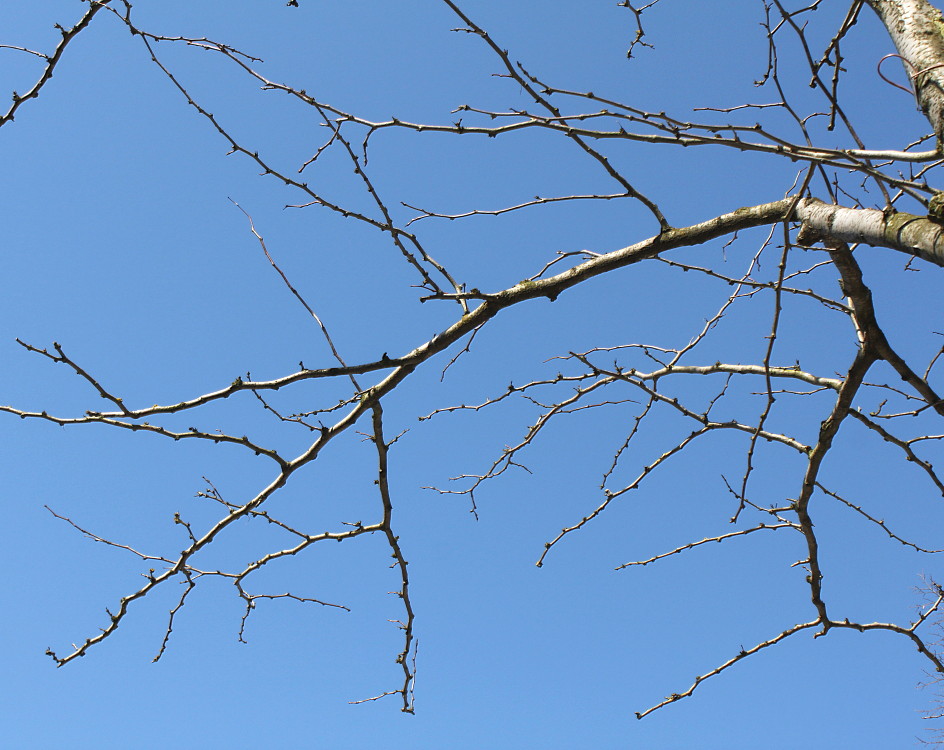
{"x": 917, "y": 29}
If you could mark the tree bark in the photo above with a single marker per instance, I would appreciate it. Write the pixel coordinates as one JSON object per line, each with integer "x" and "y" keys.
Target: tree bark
{"x": 914, "y": 235}
{"x": 917, "y": 29}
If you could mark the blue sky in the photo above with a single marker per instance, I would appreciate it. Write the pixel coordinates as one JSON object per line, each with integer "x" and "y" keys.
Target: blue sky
{"x": 123, "y": 245}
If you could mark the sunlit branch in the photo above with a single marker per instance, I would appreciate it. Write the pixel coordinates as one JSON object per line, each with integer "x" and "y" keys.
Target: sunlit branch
{"x": 715, "y": 392}
{"x": 706, "y": 540}
{"x": 743, "y": 654}
{"x": 878, "y": 522}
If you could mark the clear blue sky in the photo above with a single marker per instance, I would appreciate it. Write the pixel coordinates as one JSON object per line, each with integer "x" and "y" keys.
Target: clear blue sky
{"x": 121, "y": 245}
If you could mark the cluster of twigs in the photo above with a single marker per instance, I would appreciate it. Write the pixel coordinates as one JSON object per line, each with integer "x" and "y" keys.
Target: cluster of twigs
{"x": 635, "y": 375}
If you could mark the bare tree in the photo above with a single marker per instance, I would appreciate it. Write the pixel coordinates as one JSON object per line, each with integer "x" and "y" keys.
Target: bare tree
{"x": 834, "y": 195}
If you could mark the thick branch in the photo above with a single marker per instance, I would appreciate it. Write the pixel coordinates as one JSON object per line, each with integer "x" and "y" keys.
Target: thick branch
{"x": 914, "y": 235}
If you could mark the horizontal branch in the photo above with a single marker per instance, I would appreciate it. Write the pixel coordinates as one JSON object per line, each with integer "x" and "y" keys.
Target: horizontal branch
{"x": 907, "y": 233}
{"x": 706, "y": 540}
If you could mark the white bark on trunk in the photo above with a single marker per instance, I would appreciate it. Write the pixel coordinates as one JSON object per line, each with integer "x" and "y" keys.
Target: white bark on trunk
{"x": 917, "y": 29}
